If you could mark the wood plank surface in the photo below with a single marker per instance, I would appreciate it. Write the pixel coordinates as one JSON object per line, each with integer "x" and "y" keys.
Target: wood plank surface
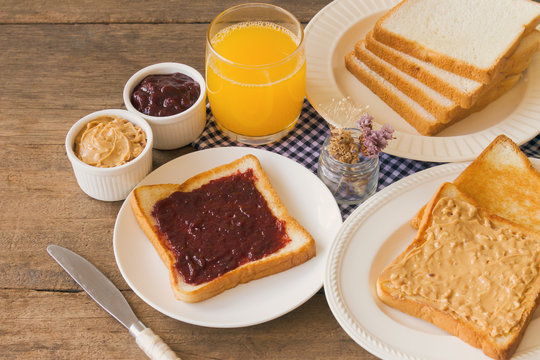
{"x": 67, "y": 72}
{"x": 122, "y": 11}
{"x": 39, "y": 325}
{"x": 60, "y": 60}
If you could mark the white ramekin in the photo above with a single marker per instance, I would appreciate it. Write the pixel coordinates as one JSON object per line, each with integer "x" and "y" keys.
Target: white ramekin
{"x": 115, "y": 183}
{"x": 171, "y": 132}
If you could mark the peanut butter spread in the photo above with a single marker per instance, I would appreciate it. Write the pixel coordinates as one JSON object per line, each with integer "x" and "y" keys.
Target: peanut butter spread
{"x": 471, "y": 267}
{"x": 109, "y": 141}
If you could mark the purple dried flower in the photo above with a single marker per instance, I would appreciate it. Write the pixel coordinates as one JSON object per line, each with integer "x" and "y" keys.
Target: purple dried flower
{"x": 377, "y": 141}
{"x": 365, "y": 123}
{"x": 373, "y": 141}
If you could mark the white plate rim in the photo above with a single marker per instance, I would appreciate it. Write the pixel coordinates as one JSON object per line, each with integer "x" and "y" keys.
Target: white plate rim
{"x": 353, "y": 225}
{"x": 323, "y": 33}
{"x": 290, "y": 301}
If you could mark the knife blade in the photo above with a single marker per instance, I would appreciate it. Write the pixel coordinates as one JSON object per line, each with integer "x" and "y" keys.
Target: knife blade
{"x": 103, "y": 291}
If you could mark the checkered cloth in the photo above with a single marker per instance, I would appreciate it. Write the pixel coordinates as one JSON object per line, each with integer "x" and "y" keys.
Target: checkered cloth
{"x": 303, "y": 145}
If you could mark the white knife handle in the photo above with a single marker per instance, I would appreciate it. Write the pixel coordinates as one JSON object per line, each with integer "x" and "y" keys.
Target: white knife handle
{"x": 151, "y": 344}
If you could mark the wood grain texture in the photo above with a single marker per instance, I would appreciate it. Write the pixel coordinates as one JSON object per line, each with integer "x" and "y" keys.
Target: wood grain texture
{"x": 62, "y": 59}
{"x": 123, "y": 11}
{"x": 40, "y": 326}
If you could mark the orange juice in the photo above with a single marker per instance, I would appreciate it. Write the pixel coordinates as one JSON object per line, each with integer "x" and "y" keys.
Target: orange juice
{"x": 256, "y": 83}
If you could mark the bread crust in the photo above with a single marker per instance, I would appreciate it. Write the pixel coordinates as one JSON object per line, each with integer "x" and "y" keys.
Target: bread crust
{"x": 144, "y": 197}
{"x": 457, "y": 66}
{"x": 459, "y": 327}
{"x": 455, "y": 327}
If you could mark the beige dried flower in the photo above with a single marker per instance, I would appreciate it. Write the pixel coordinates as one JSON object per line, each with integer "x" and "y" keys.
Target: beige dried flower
{"x": 343, "y": 146}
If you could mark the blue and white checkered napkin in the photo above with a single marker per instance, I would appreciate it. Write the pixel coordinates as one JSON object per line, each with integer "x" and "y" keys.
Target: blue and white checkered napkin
{"x": 304, "y": 143}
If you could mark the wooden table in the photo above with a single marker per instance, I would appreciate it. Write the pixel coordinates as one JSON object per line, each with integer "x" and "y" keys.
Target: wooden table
{"x": 60, "y": 60}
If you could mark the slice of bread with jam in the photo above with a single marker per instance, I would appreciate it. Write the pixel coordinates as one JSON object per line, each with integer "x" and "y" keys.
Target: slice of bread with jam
{"x": 220, "y": 228}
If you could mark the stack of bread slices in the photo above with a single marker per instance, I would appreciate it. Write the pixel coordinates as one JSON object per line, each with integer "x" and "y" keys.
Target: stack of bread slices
{"x": 435, "y": 62}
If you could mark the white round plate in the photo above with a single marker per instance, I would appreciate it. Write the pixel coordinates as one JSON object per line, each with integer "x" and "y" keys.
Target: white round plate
{"x": 332, "y": 33}
{"x": 305, "y": 196}
{"x": 370, "y": 239}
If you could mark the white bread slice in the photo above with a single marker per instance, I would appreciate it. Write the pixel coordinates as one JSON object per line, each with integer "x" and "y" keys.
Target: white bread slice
{"x": 409, "y": 109}
{"x": 424, "y": 122}
{"x": 504, "y": 182}
{"x": 469, "y": 38}
{"x": 461, "y": 90}
{"x": 443, "y": 108}
{"x": 299, "y": 249}
{"x": 479, "y": 279}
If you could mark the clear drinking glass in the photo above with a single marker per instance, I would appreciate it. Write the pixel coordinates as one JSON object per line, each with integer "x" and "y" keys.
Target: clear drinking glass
{"x": 255, "y": 72}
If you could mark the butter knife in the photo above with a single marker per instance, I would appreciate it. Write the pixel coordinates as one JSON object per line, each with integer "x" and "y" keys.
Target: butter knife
{"x": 103, "y": 291}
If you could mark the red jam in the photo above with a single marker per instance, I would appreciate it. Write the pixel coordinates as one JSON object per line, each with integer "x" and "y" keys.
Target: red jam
{"x": 218, "y": 227}
{"x": 165, "y": 95}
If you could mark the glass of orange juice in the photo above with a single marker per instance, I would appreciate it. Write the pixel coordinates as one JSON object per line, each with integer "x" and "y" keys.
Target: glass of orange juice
{"x": 255, "y": 72}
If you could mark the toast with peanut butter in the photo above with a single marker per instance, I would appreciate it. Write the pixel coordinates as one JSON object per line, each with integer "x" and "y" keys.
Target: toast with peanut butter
{"x": 471, "y": 273}
{"x": 220, "y": 228}
{"x": 503, "y": 181}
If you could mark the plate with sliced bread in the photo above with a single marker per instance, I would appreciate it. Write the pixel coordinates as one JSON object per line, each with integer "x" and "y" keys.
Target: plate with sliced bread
{"x": 454, "y": 271}
{"x": 226, "y": 237}
{"x": 437, "y": 77}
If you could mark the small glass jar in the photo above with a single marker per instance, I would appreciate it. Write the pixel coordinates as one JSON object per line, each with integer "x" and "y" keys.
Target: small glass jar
{"x": 349, "y": 183}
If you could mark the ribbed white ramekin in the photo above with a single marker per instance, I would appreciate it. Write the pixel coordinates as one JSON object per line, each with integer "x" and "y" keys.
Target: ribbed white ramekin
{"x": 110, "y": 184}
{"x": 171, "y": 132}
